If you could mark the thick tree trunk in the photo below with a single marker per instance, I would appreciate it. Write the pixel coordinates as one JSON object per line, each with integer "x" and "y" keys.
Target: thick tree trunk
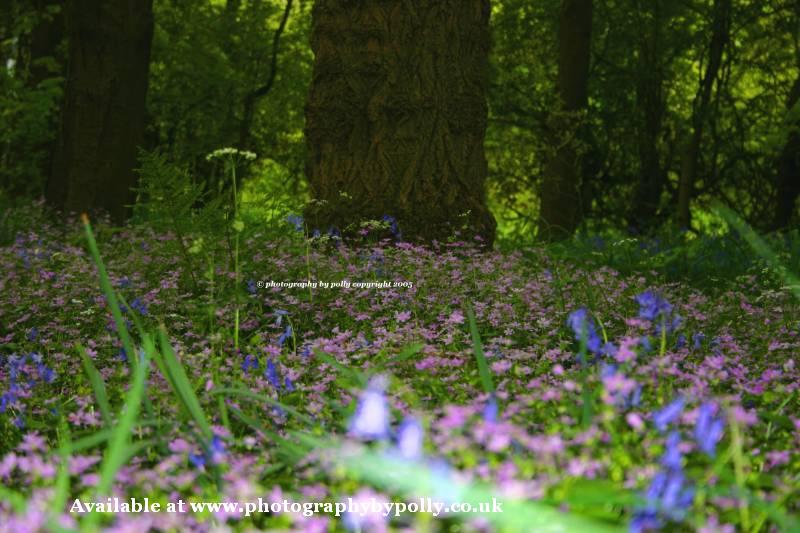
{"x": 560, "y": 212}
{"x": 396, "y": 115}
{"x": 720, "y": 35}
{"x": 788, "y": 176}
{"x": 103, "y": 117}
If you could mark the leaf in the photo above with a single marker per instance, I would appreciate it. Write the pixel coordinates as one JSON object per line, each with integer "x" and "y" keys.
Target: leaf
{"x": 98, "y": 387}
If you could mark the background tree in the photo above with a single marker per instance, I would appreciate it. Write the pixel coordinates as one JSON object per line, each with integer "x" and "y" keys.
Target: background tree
{"x": 560, "y": 193}
{"x": 701, "y": 107}
{"x": 103, "y": 117}
{"x": 396, "y": 115}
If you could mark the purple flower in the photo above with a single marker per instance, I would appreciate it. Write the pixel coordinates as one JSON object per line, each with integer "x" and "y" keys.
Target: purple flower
{"x": 285, "y": 335}
{"x": 33, "y": 333}
{"x": 409, "y": 439}
{"x": 656, "y": 309}
{"x": 669, "y": 414}
{"x": 296, "y": 221}
{"x": 250, "y": 363}
{"x": 138, "y": 305}
{"x": 697, "y": 340}
{"x": 371, "y": 419}
{"x": 288, "y": 385}
{"x": 583, "y": 327}
{"x": 280, "y": 313}
{"x": 652, "y": 305}
{"x": 708, "y": 429}
{"x": 251, "y": 286}
{"x": 271, "y": 373}
{"x": 672, "y": 455}
{"x": 491, "y": 409}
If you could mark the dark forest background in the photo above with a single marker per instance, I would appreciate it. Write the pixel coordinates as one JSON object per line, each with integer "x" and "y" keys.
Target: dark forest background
{"x": 628, "y": 115}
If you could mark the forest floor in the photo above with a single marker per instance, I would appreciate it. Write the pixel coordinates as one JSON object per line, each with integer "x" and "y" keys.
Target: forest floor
{"x": 581, "y": 398}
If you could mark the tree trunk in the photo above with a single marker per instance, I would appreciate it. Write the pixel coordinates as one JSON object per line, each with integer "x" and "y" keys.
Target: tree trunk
{"x": 103, "y": 116}
{"x": 650, "y": 105}
{"x": 560, "y": 212}
{"x": 396, "y": 116}
{"x": 719, "y": 39}
{"x": 788, "y": 177}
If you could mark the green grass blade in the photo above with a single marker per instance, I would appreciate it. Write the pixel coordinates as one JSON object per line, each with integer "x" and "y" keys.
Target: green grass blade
{"x": 414, "y": 479}
{"x": 117, "y": 453}
{"x": 177, "y": 377}
{"x": 356, "y": 377}
{"x": 286, "y": 448}
{"x": 98, "y": 387}
{"x": 243, "y": 393}
{"x": 108, "y": 291}
{"x": 480, "y": 357}
{"x": 760, "y": 247}
{"x": 59, "y": 502}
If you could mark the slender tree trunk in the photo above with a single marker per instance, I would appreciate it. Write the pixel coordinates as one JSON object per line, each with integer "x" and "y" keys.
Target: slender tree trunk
{"x": 788, "y": 177}
{"x": 650, "y": 105}
{"x": 560, "y": 212}
{"x": 719, "y": 40}
{"x": 103, "y": 117}
{"x": 252, "y": 98}
{"x": 396, "y": 116}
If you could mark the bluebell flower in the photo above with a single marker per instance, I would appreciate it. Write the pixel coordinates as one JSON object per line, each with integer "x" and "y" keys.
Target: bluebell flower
{"x": 371, "y": 419}
{"x": 33, "y": 333}
{"x": 667, "y": 496}
{"x": 306, "y": 352}
{"x": 410, "y": 438}
{"x": 491, "y": 409}
{"x": 296, "y": 221}
{"x": 645, "y": 520}
{"x": 672, "y": 322}
{"x": 251, "y": 286}
{"x": 697, "y": 340}
{"x": 394, "y": 228}
{"x": 280, "y": 313}
{"x": 634, "y": 399}
{"x": 708, "y": 429}
{"x": 198, "y": 460}
{"x": 271, "y": 373}
{"x": 672, "y": 454}
{"x": 287, "y": 333}
{"x": 138, "y": 305}
{"x": 250, "y": 363}
{"x": 652, "y": 305}
{"x": 669, "y": 414}
{"x": 288, "y": 385}
{"x": 216, "y": 446}
{"x": 680, "y": 342}
{"x": 583, "y": 326}
{"x": 316, "y": 233}
{"x": 45, "y": 373}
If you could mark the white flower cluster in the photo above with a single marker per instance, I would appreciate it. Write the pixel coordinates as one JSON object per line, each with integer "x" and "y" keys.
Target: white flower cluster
{"x": 230, "y": 152}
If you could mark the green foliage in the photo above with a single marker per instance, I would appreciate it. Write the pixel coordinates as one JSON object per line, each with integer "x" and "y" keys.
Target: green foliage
{"x": 30, "y": 94}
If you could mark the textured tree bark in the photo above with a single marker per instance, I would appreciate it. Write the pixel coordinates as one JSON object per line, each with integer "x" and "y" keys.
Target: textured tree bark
{"x": 720, "y": 35}
{"x": 560, "y": 212}
{"x": 103, "y": 116}
{"x": 396, "y": 116}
